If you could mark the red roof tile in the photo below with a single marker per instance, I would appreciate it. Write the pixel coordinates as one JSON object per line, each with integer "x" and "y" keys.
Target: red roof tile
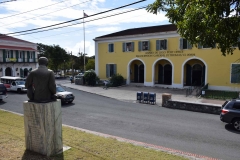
{"x": 17, "y": 48}
{"x": 9, "y": 38}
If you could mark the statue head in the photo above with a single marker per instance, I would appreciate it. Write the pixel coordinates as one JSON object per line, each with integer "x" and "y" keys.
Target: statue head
{"x": 43, "y": 61}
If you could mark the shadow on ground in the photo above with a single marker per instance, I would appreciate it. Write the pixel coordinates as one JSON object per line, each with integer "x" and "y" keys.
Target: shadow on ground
{"x": 29, "y": 155}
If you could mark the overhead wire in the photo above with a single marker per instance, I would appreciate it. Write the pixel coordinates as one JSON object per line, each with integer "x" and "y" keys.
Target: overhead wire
{"x": 77, "y": 18}
{"x": 7, "y": 1}
{"x": 81, "y": 22}
{"x": 46, "y": 13}
{"x": 33, "y": 9}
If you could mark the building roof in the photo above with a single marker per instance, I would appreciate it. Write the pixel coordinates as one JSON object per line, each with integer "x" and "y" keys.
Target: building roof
{"x": 9, "y": 38}
{"x": 17, "y": 48}
{"x": 143, "y": 30}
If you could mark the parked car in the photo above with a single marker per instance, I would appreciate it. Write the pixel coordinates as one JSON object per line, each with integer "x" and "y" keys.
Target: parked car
{"x": 230, "y": 113}
{"x": 65, "y": 96}
{"x": 3, "y": 92}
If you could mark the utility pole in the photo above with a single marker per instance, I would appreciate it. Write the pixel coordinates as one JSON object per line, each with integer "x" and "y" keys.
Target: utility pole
{"x": 72, "y": 63}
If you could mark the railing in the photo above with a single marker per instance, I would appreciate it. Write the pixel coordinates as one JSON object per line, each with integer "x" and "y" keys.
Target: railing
{"x": 190, "y": 89}
{"x": 193, "y": 88}
{"x": 18, "y": 60}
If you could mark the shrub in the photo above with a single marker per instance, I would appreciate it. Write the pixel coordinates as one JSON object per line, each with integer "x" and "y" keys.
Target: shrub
{"x": 90, "y": 77}
{"x": 116, "y": 80}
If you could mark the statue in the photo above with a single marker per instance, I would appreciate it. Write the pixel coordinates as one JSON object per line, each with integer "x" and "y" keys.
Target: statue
{"x": 40, "y": 83}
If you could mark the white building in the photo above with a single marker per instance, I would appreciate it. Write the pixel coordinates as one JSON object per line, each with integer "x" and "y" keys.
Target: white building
{"x": 17, "y": 57}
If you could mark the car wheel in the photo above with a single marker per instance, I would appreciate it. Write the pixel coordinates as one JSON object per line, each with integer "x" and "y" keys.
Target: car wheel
{"x": 19, "y": 90}
{"x": 236, "y": 124}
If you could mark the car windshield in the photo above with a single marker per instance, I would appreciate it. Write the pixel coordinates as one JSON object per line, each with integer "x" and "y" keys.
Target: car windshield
{"x": 60, "y": 89}
{"x": 20, "y": 82}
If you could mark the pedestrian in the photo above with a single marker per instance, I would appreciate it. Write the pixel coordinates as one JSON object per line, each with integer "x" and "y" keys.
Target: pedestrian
{"x": 71, "y": 79}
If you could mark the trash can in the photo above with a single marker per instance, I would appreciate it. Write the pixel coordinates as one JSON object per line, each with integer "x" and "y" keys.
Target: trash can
{"x": 152, "y": 98}
{"x": 139, "y": 96}
{"x": 145, "y": 97}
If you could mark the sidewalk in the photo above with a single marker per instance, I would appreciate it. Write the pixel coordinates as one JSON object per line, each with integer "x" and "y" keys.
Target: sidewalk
{"x": 128, "y": 93}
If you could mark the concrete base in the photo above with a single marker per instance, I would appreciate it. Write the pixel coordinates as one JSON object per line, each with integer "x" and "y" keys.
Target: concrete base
{"x": 43, "y": 127}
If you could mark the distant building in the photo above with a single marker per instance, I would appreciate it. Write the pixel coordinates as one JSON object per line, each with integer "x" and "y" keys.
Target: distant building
{"x": 159, "y": 56}
{"x": 17, "y": 57}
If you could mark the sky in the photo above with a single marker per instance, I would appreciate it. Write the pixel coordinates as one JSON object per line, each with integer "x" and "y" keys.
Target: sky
{"x": 22, "y": 15}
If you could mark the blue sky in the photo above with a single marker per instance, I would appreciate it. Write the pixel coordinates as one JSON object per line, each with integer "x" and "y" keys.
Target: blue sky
{"x": 71, "y": 38}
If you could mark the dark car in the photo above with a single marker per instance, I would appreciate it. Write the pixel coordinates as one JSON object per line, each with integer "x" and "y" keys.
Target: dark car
{"x": 230, "y": 113}
{"x": 64, "y": 95}
{"x": 3, "y": 92}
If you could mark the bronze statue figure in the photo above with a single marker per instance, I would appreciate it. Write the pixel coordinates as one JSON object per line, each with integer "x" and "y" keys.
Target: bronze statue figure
{"x": 41, "y": 83}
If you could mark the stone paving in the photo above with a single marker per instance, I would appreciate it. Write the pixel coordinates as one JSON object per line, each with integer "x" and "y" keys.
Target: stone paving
{"x": 128, "y": 93}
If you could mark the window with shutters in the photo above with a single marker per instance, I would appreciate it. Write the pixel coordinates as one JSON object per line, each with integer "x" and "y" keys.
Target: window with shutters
{"x": 111, "y": 69}
{"x": 184, "y": 44}
{"x": 161, "y": 44}
{"x": 31, "y": 55}
{"x": 205, "y": 46}
{"x": 143, "y": 45}
{"x": 8, "y": 54}
{"x": 235, "y": 73}
{"x": 128, "y": 46}
{"x": 21, "y": 54}
{"x": 110, "y": 47}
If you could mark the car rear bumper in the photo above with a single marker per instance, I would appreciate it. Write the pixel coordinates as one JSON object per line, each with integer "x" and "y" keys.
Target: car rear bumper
{"x": 225, "y": 119}
{"x": 68, "y": 99}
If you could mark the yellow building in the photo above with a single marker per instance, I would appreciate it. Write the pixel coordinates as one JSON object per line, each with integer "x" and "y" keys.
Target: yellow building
{"x": 158, "y": 56}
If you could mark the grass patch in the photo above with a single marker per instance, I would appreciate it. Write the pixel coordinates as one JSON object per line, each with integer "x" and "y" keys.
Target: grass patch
{"x": 85, "y": 146}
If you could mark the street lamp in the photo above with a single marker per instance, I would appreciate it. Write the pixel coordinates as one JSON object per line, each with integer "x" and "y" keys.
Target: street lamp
{"x": 84, "y": 61}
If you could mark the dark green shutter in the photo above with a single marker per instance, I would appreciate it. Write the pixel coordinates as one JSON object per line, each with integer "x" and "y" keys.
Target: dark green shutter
{"x": 28, "y": 56}
{"x": 189, "y": 45}
{"x": 11, "y": 53}
{"x": 139, "y": 46}
{"x": 23, "y": 56}
{"x": 181, "y": 43}
{"x": 165, "y": 44}
{"x": 160, "y": 74}
{"x": 123, "y": 47}
{"x": 109, "y": 48}
{"x": 157, "y": 45}
{"x": 4, "y": 55}
{"x": 16, "y": 56}
{"x": 34, "y": 60}
{"x": 132, "y": 46}
{"x": 199, "y": 46}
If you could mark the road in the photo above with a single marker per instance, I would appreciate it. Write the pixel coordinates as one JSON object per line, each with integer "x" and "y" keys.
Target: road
{"x": 193, "y": 132}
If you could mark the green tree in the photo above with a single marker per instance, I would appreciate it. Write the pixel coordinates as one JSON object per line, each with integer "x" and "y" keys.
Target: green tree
{"x": 56, "y": 55}
{"x": 90, "y": 64}
{"x": 204, "y": 21}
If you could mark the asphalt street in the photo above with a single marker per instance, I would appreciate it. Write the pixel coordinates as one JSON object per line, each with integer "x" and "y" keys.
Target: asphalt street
{"x": 193, "y": 132}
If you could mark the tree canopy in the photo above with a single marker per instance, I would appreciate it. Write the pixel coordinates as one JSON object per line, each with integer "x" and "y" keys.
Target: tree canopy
{"x": 207, "y": 22}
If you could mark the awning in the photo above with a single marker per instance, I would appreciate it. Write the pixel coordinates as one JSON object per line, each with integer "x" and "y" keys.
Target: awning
{"x": 17, "y": 48}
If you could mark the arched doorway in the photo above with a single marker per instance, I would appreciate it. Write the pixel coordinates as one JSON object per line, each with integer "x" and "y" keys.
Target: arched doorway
{"x": 197, "y": 75}
{"x": 137, "y": 71}
{"x": 167, "y": 74}
{"x": 8, "y": 71}
{"x": 163, "y": 72}
{"x": 25, "y": 72}
{"x": 194, "y": 73}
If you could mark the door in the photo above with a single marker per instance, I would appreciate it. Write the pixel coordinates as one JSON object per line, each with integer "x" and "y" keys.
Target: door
{"x": 135, "y": 73}
{"x": 160, "y": 74}
{"x": 168, "y": 74}
{"x": 141, "y": 73}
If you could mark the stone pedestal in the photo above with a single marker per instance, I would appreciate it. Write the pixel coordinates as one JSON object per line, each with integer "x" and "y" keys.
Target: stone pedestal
{"x": 43, "y": 127}
{"x": 165, "y": 98}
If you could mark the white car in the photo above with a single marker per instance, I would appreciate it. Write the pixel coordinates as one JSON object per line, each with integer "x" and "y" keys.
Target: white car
{"x": 65, "y": 96}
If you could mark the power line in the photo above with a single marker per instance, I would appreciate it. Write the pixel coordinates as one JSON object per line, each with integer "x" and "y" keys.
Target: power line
{"x": 46, "y": 13}
{"x": 77, "y": 18}
{"x": 7, "y": 1}
{"x": 33, "y": 9}
{"x": 81, "y": 22}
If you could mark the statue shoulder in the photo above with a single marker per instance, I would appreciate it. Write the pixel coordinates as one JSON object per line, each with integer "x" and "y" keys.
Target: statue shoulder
{"x": 49, "y": 70}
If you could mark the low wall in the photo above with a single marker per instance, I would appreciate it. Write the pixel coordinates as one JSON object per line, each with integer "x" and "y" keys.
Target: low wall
{"x": 192, "y": 106}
